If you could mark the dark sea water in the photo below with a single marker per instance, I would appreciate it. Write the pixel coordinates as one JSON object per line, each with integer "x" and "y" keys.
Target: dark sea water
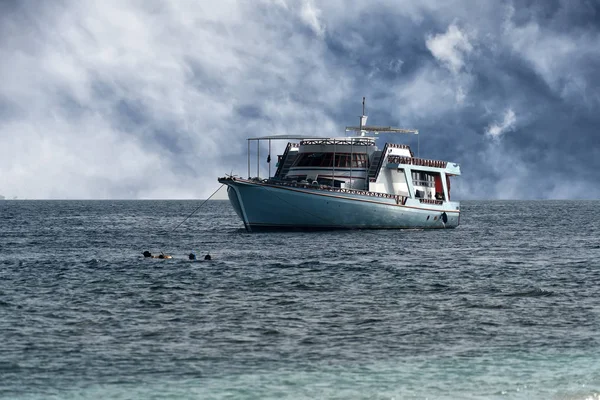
{"x": 507, "y": 306}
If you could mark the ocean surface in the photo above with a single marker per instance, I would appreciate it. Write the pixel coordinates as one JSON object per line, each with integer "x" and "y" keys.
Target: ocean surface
{"x": 507, "y": 306}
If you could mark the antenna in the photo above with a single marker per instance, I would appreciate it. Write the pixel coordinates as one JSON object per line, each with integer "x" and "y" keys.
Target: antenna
{"x": 363, "y": 118}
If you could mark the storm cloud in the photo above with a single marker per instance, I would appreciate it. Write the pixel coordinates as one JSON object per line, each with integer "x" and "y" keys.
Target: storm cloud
{"x": 154, "y": 99}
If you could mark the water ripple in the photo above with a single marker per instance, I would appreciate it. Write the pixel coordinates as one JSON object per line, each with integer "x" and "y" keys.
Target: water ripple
{"x": 505, "y": 306}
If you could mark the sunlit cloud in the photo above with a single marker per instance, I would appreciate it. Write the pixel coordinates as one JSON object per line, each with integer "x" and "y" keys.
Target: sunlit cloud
{"x": 508, "y": 122}
{"x": 311, "y": 16}
{"x": 450, "y": 48}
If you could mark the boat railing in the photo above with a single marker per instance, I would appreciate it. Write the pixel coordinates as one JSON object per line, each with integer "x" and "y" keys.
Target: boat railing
{"x": 420, "y": 182}
{"x": 401, "y": 146}
{"x": 399, "y": 198}
{"x": 354, "y": 142}
{"x": 380, "y": 162}
{"x": 431, "y": 201}
{"x": 416, "y": 161}
{"x": 283, "y": 157}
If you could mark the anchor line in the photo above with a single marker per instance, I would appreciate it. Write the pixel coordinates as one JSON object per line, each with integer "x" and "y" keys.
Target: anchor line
{"x": 193, "y": 212}
{"x": 197, "y": 208}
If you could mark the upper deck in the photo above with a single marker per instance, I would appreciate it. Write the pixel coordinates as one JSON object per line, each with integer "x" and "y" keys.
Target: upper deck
{"x": 357, "y": 163}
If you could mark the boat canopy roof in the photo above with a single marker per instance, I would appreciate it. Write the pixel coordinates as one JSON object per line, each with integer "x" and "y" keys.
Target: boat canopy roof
{"x": 348, "y": 139}
{"x": 377, "y": 129}
{"x": 285, "y": 137}
{"x": 320, "y": 138}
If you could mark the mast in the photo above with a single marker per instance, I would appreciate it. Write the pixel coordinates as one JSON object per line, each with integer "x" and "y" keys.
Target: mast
{"x": 363, "y": 114}
{"x": 351, "y": 158}
{"x": 362, "y": 121}
{"x": 333, "y": 164}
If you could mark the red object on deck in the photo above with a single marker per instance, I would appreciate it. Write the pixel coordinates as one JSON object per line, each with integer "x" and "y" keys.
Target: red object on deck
{"x": 438, "y": 184}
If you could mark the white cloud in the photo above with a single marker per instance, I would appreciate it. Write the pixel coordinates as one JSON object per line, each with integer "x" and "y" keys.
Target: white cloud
{"x": 136, "y": 100}
{"x": 495, "y": 130}
{"x": 461, "y": 95}
{"x": 450, "y": 48}
{"x": 310, "y": 15}
{"x": 558, "y": 57}
{"x": 428, "y": 90}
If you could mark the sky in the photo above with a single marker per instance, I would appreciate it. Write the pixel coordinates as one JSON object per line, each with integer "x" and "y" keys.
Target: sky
{"x": 150, "y": 99}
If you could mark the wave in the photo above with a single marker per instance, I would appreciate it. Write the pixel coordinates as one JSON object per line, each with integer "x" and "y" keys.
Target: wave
{"x": 533, "y": 292}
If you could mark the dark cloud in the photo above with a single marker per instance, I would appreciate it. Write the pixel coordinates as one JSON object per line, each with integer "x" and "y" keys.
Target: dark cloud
{"x": 115, "y": 97}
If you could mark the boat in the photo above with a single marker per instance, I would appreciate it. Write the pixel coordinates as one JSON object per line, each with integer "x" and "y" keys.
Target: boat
{"x": 346, "y": 183}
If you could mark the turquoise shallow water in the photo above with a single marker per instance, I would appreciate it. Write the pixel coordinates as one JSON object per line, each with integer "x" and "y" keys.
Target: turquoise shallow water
{"x": 506, "y": 306}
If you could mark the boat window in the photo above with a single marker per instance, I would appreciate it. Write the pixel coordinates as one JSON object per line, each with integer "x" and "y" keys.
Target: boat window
{"x": 342, "y": 160}
{"x": 422, "y": 178}
{"x": 311, "y": 160}
{"x": 326, "y": 161}
{"x": 432, "y": 180}
{"x": 359, "y": 160}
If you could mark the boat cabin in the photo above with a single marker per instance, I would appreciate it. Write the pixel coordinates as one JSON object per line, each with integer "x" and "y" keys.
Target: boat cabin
{"x": 356, "y": 163}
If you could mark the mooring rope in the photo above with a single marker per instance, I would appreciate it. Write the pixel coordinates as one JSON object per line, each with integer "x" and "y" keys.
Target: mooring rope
{"x": 197, "y": 208}
{"x": 192, "y": 213}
